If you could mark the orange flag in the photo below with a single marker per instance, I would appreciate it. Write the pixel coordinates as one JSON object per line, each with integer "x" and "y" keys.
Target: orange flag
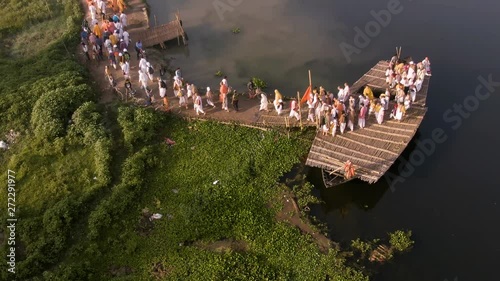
{"x": 306, "y": 96}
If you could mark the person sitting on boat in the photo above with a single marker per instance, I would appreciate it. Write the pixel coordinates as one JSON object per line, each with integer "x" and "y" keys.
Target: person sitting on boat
{"x": 294, "y": 109}
{"x": 407, "y": 102}
{"x": 400, "y": 112}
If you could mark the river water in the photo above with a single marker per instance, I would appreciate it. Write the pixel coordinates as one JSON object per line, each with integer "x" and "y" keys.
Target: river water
{"x": 451, "y": 197}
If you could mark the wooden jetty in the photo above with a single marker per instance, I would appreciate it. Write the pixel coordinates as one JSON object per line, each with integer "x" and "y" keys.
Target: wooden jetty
{"x": 375, "y": 148}
{"x": 160, "y": 34}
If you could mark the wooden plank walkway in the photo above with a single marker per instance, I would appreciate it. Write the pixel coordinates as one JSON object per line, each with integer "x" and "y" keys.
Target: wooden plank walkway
{"x": 157, "y": 35}
{"x": 374, "y": 149}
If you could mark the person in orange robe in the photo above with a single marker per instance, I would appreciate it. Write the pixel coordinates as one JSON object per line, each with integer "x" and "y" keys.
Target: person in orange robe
{"x": 97, "y": 30}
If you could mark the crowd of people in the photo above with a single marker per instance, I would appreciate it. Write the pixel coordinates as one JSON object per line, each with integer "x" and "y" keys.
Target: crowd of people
{"x": 330, "y": 112}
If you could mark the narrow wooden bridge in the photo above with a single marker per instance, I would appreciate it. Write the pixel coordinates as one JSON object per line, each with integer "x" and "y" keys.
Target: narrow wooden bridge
{"x": 160, "y": 34}
{"x": 374, "y": 149}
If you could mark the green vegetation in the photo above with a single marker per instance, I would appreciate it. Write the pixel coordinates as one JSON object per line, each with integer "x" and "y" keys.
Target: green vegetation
{"x": 401, "y": 240}
{"x": 259, "y": 83}
{"x": 236, "y": 30}
{"x": 219, "y": 73}
{"x": 89, "y": 177}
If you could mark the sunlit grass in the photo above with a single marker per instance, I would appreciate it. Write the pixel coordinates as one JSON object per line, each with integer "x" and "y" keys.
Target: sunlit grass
{"x": 32, "y": 40}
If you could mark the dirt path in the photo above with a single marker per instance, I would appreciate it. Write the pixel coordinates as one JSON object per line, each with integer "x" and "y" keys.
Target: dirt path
{"x": 137, "y": 23}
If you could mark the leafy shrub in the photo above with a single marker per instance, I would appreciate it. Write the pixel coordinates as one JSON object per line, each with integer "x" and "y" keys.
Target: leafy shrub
{"x": 123, "y": 194}
{"x": 259, "y": 83}
{"x": 87, "y": 121}
{"x": 401, "y": 240}
{"x": 139, "y": 125}
{"x": 53, "y": 109}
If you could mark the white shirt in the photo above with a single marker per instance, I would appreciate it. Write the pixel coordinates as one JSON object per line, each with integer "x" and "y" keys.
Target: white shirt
{"x": 93, "y": 9}
{"x": 123, "y": 19}
{"x": 125, "y": 37}
{"x": 340, "y": 94}
{"x": 346, "y": 90}
{"x": 224, "y": 81}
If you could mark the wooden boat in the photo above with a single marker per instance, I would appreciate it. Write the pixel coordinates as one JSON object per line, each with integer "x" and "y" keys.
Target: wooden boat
{"x": 374, "y": 149}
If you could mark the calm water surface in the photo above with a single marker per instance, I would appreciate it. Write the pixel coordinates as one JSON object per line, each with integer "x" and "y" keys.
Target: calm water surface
{"x": 451, "y": 201}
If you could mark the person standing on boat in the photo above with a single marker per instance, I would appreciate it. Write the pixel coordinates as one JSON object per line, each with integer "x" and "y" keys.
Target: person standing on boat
{"x": 379, "y": 113}
{"x": 263, "y": 100}
{"x": 352, "y": 118}
{"x": 340, "y": 94}
{"x": 294, "y": 108}
{"x": 367, "y": 92}
{"x": 426, "y": 63}
{"x": 362, "y": 116}
{"x": 347, "y": 92}
{"x": 278, "y": 98}
{"x": 342, "y": 121}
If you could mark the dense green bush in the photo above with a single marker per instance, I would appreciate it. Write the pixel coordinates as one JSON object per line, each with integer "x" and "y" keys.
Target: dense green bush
{"x": 123, "y": 194}
{"x": 53, "y": 110}
{"x": 87, "y": 121}
{"x": 139, "y": 125}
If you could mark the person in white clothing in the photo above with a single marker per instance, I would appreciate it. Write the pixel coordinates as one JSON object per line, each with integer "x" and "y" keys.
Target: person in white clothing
{"x": 123, "y": 19}
{"x": 418, "y": 85}
{"x": 210, "y": 97}
{"x": 126, "y": 37}
{"x": 294, "y": 108}
{"x": 413, "y": 92}
{"x": 162, "y": 86}
{"x": 93, "y": 11}
{"x": 347, "y": 92}
{"x": 263, "y": 100}
{"x": 278, "y": 105}
{"x": 143, "y": 65}
{"x": 198, "y": 104}
{"x": 340, "y": 94}
{"x": 126, "y": 69}
{"x": 224, "y": 81}
{"x": 143, "y": 79}
{"x": 102, "y": 7}
{"x": 189, "y": 89}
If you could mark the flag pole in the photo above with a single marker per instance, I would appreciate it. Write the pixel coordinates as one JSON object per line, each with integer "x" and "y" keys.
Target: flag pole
{"x": 300, "y": 111}
{"x": 310, "y": 80}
